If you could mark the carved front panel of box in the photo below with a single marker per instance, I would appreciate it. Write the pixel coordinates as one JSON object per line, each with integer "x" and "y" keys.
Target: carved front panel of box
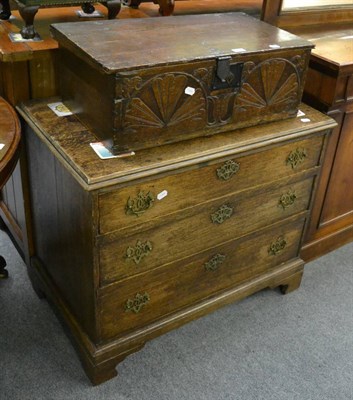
{"x": 174, "y": 103}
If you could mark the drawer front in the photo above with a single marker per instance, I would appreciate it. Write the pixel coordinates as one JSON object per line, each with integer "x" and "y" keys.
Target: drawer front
{"x": 137, "y": 204}
{"x": 210, "y": 224}
{"x": 137, "y": 301}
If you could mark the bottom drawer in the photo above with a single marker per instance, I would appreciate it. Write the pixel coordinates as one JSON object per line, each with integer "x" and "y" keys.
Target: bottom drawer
{"x": 135, "y": 302}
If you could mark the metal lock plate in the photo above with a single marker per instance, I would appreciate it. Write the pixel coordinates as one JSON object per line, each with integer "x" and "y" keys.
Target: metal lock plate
{"x": 227, "y": 75}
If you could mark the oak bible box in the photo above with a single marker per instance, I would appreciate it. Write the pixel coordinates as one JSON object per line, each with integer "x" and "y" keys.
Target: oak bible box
{"x": 143, "y": 83}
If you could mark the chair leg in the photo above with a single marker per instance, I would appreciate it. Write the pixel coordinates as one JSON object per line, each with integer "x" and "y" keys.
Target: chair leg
{"x": 3, "y": 272}
{"x": 88, "y": 8}
{"x": 166, "y": 7}
{"x": 6, "y": 10}
{"x": 113, "y": 7}
{"x": 28, "y": 14}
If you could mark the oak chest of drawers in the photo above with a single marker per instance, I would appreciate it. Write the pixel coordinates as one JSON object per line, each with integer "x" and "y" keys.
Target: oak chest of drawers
{"x": 129, "y": 248}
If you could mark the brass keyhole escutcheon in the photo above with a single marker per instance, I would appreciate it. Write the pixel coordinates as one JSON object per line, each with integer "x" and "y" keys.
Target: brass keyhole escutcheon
{"x": 139, "y": 204}
{"x": 222, "y": 214}
{"x": 296, "y": 157}
{"x": 139, "y": 251}
{"x": 214, "y": 262}
{"x": 227, "y": 170}
{"x": 277, "y": 246}
{"x": 135, "y": 305}
{"x": 287, "y": 199}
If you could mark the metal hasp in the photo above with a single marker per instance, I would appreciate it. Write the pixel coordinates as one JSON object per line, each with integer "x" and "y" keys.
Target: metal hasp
{"x": 227, "y": 75}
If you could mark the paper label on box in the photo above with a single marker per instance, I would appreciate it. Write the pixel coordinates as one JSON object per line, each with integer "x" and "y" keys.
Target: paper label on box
{"x": 305, "y": 119}
{"x": 2, "y": 145}
{"x": 274, "y": 46}
{"x": 300, "y": 113}
{"x": 162, "y": 195}
{"x": 104, "y": 153}
{"x": 239, "y": 50}
{"x": 190, "y": 90}
{"x": 60, "y": 109}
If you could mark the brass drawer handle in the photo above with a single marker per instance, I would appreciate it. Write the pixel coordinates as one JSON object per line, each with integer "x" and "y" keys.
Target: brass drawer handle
{"x": 141, "y": 250}
{"x": 214, "y": 262}
{"x": 224, "y": 212}
{"x": 287, "y": 199}
{"x": 296, "y": 157}
{"x": 277, "y": 246}
{"x": 227, "y": 170}
{"x": 141, "y": 203}
{"x": 135, "y": 305}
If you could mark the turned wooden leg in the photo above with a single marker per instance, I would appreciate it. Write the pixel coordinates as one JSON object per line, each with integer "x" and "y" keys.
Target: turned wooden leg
{"x": 6, "y": 10}
{"x": 3, "y": 272}
{"x": 88, "y": 8}
{"x": 166, "y": 7}
{"x": 292, "y": 283}
{"x": 28, "y": 14}
{"x": 132, "y": 3}
{"x": 113, "y": 7}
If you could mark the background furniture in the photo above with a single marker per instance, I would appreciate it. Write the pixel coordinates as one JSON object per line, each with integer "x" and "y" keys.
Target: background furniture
{"x": 10, "y": 134}
{"x": 26, "y": 71}
{"x": 329, "y": 88}
{"x": 29, "y": 8}
{"x": 166, "y": 7}
{"x": 274, "y": 13}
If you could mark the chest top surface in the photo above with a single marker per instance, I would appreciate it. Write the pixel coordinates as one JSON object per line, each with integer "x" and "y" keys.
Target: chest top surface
{"x": 70, "y": 141}
{"x": 137, "y": 43}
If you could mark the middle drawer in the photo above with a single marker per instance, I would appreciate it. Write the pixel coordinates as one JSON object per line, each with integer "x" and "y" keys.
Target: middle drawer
{"x": 209, "y": 224}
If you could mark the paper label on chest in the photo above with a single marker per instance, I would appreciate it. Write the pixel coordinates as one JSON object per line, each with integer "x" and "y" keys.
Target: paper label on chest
{"x": 143, "y": 83}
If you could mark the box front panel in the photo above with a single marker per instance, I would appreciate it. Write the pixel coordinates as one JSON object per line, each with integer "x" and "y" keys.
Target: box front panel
{"x": 171, "y": 103}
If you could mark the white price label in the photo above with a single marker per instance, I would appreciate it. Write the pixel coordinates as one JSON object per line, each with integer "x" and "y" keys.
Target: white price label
{"x": 162, "y": 195}
{"x": 239, "y": 50}
{"x": 190, "y": 90}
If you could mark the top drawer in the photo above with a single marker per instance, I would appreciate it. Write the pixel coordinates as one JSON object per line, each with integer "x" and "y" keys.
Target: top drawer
{"x": 137, "y": 204}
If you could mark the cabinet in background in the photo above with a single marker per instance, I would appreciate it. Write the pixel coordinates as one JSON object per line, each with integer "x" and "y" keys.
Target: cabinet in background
{"x": 329, "y": 88}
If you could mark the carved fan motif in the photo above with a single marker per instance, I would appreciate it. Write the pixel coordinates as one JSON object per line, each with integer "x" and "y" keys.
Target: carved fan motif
{"x": 270, "y": 83}
{"x": 164, "y": 103}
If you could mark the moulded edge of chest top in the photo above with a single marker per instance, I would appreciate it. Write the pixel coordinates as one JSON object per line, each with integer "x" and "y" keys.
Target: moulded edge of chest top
{"x": 151, "y": 162}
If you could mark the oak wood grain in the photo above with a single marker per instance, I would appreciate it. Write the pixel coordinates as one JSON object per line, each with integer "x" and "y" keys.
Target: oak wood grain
{"x": 112, "y": 311}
